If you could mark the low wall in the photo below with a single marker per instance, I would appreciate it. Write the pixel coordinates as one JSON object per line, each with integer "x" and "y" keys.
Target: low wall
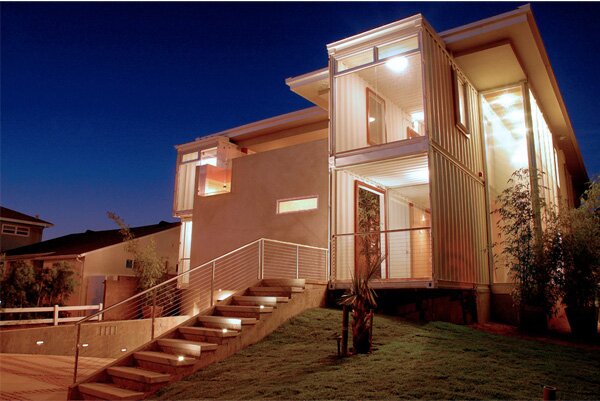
{"x": 104, "y": 339}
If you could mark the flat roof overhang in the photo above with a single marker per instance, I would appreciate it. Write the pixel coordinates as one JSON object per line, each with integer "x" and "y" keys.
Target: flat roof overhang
{"x": 508, "y": 47}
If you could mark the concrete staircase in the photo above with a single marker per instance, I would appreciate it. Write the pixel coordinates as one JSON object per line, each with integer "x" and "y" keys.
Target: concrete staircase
{"x": 231, "y": 325}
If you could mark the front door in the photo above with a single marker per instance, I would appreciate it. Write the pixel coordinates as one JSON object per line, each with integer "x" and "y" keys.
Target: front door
{"x": 369, "y": 244}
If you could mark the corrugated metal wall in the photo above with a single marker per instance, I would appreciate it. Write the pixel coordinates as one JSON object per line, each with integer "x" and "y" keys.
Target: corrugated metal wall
{"x": 456, "y": 160}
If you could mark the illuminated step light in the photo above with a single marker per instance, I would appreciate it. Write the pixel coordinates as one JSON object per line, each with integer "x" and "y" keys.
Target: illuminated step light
{"x": 180, "y": 358}
{"x": 40, "y": 342}
{"x": 85, "y": 345}
{"x": 123, "y": 349}
{"x": 397, "y": 64}
{"x": 224, "y": 330}
{"x": 262, "y": 307}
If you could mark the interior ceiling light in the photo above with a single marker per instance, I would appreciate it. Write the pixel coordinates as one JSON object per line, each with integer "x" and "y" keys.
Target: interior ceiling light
{"x": 397, "y": 64}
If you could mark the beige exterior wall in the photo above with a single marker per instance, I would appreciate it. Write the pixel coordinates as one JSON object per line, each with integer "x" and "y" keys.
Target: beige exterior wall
{"x": 111, "y": 260}
{"x": 225, "y": 222}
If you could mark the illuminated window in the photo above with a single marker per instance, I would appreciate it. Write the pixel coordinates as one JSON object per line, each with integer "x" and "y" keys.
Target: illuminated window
{"x": 399, "y": 47}
{"x": 11, "y": 229}
{"x": 355, "y": 60}
{"x": 297, "y": 204}
{"x": 375, "y": 119}
{"x": 208, "y": 156}
{"x": 460, "y": 103}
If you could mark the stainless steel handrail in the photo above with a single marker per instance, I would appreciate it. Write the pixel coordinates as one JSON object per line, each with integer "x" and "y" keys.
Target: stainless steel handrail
{"x": 383, "y": 232}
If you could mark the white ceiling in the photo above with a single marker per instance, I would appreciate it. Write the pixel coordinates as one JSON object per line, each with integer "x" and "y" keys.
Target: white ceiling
{"x": 395, "y": 173}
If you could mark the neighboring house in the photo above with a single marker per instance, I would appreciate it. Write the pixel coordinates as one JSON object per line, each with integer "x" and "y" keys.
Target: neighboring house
{"x": 413, "y": 135}
{"x": 104, "y": 268}
{"x": 19, "y": 229}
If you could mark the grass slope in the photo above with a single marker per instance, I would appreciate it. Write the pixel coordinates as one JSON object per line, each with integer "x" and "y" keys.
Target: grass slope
{"x": 432, "y": 361}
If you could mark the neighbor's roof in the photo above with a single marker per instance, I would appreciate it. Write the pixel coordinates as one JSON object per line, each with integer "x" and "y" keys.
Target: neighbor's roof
{"x": 80, "y": 243}
{"x": 7, "y": 214}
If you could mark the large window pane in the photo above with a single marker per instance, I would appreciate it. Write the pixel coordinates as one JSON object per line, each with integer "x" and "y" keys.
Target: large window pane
{"x": 506, "y": 143}
{"x": 379, "y": 104}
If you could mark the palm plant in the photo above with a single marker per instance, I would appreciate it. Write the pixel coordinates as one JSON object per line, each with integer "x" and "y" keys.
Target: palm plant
{"x": 361, "y": 299}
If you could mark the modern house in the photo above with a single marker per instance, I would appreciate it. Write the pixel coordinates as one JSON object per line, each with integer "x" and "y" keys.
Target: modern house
{"x": 412, "y": 136}
{"x": 103, "y": 267}
{"x": 19, "y": 229}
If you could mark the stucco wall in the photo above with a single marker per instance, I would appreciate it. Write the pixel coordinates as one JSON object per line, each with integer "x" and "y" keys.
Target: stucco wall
{"x": 225, "y": 222}
{"x": 111, "y": 260}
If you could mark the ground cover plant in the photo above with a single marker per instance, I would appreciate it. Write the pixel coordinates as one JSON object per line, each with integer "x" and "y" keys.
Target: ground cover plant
{"x": 432, "y": 361}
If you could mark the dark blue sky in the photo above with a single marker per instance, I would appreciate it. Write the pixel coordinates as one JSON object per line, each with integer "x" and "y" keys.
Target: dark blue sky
{"x": 95, "y": 95}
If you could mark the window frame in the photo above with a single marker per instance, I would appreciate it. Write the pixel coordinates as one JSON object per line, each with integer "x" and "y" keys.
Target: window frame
{"x": 459, "y": 85}
{"x": 279, "y": 201}
{"x": 15, "y": 230}
{"x": 378, "y": 98}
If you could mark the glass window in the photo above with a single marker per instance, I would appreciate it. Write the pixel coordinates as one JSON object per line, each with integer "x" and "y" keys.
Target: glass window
{"x": 355, "y": 60}
{"x": 375, "y": 118}
{"x": 208, "y": 156}
{"x": 188, "y": 157}
{"x": 376, "y": 105}
{"x": 396, "y": 48}
{"x": 506, "y": 151}
{"x": 12, "y": 229}
{"x": 460, "y": 103}
{"x": 297, "y": 205}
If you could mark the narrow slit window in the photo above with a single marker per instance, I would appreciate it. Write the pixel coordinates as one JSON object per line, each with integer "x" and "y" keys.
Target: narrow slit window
{"x": 297, "y": 204}
{"x": 460, "y": 103}
{"x": 375, "y": 119}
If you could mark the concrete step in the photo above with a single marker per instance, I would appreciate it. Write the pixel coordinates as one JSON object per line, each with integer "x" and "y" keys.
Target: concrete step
{"x": 274, "y": 291}
{"x": 185, "y": 347}
{"x": 208, "y": 334}
{"x": 106, "y": 391}
{"x": 241, "y": 311}
{"x": 136, "y": 379}
{"x": 257, "y": 301}
{"x": 137, "y": 374}
{"x": 222, "y": 322}
{"x": 164, "y": 358}
{"x": 283, "y": 282}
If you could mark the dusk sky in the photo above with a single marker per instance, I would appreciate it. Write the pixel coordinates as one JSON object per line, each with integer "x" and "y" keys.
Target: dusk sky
{"x": 94, "y": 96}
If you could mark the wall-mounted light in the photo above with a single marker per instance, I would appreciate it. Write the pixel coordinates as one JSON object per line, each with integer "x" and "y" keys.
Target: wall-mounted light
{"x": 372, "y": 119}
{"x": 123, "y": 349}
{"x": 397, "y": 64}
{"x": 180, "y": 358}
{"x": 39, "y": 342}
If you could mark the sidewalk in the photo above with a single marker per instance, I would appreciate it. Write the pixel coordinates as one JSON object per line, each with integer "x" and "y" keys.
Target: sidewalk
{"x": 40, "y": 377}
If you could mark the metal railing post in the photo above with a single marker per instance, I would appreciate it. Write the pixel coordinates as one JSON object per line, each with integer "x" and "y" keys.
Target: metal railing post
{"x": 297, "y": 266}
{"x": 153, "y": 312}
{"x": 262, "y": 259}
{"x": 75, "y": 366}
{"x": 100, "y": 307}
{"x": 212, "y": 285}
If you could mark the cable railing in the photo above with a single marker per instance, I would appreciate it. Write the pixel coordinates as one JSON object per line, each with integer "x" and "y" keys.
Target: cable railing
{"x": 139, "y": 319}
{"x": 406, "y": 253}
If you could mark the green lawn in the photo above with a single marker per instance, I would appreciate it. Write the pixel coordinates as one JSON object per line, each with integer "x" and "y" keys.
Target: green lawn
{"x": 432, "y": 361}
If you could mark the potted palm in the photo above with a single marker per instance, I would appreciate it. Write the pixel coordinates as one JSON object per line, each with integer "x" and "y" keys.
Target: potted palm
{"x": 581, "y": 273}
{"x": 532, "y": 256}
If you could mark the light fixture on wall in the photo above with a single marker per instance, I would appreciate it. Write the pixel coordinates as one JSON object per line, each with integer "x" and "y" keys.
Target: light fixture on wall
{"x": 397, "y": 64}
{"x": 372, "y": 119}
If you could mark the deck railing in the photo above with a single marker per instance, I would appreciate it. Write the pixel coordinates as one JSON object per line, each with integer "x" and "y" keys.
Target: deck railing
{"x": 133, "y": 322}
{"x": 406, "y": 253}
{"x": 55, "y": 310}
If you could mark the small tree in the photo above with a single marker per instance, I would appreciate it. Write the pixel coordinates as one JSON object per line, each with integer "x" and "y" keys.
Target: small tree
{"x": 148, "y": 265}
{"x": 54, "y": 284}
{"x": 361, "y": 299}
{"x": 581, "y": 272}
{"x": 18, "y": 286}
{"x": 532, "y": 256}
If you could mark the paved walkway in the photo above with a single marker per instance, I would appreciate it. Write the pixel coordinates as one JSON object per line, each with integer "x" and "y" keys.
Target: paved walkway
{"x": 40, "y": 377}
